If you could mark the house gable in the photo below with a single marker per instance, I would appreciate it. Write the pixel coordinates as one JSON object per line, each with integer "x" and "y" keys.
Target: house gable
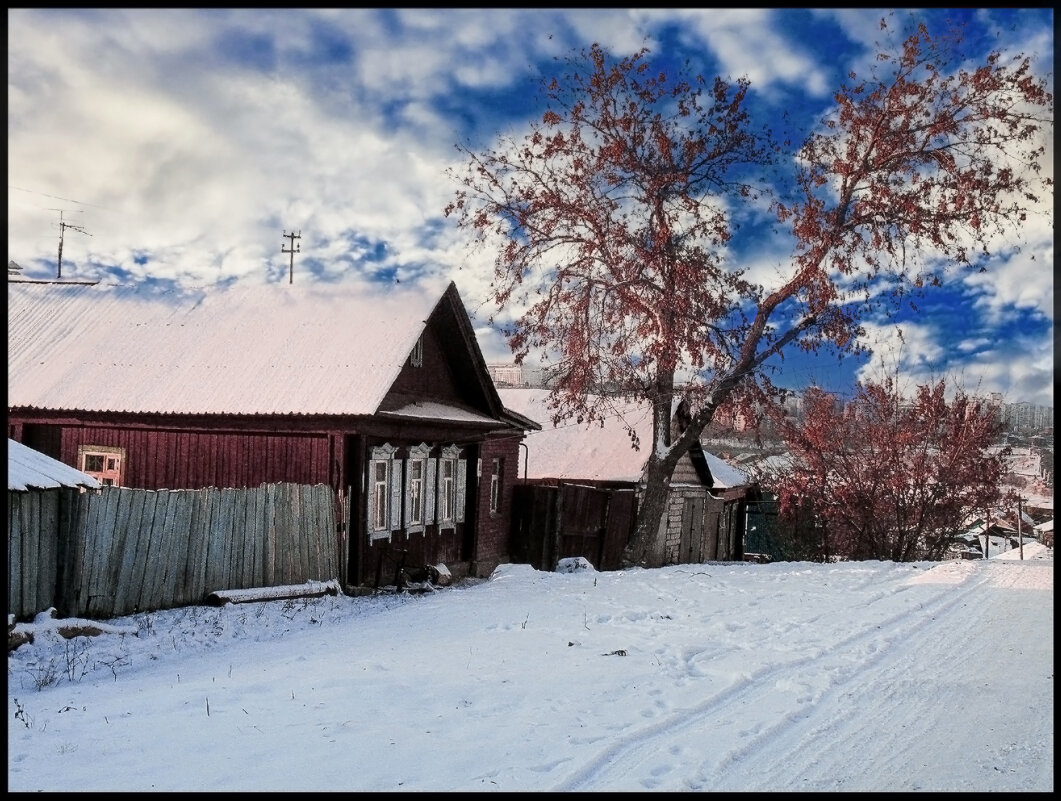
{"x": 445, "y": 375}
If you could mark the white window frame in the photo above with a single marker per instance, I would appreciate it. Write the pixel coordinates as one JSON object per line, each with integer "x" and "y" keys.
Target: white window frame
{"x": 112, "y": 472}
{"x": 416, "y": 519}
{"x": 383, "y": 496}
{"x": 454, "y": 491}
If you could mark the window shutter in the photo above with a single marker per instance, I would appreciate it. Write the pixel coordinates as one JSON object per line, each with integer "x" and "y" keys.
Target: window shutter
{"x": 429, "y": 492}
{"x": 460, "y": 483}
{"x": 407, "y": 501}
{"x": 370, "y": 495}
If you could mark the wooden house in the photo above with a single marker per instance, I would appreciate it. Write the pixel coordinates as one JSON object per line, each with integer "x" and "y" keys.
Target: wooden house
{"x": 381, "y": 394}
{"x": 598, "y": 479}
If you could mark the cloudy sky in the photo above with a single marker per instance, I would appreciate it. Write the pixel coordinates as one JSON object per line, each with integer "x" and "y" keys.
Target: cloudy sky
{"x": 182, "y": 145}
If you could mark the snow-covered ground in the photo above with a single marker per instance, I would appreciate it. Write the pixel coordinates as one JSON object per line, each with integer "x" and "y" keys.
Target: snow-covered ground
{"x": 868, "y": 676}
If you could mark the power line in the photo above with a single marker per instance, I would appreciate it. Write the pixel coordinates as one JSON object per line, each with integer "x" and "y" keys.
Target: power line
{"x": 56, "y": 197}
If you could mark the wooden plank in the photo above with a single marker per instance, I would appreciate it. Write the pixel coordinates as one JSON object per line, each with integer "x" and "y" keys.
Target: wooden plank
{"x": 253, "y": 528}
{"x": 195, "y": 587}
{"x": 101, "y": 579}
{"x": 81, "y": 569}
{"x": 270, "y": 555}
{"x": 312, "y": 534}
{"x": 225, "y": 529}
{"x": 30, "y": 527}
{"x": 328, "y": 543}
{"x": 294, "y": 570}
{"x": 15, "y": 567}
{"x": 152, "y": 550}
{"x": 128, "y": 562}
{"x": 215, "y": 552}
{"x": 177, "y": 576}
{"x": 48, "y": 552}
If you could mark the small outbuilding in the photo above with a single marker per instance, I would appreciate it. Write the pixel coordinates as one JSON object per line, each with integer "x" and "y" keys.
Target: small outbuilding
{"x": 581, "y": 486}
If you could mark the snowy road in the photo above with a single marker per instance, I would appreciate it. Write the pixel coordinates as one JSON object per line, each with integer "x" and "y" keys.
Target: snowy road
{"x": 868, "y": 676}
{"x": 842, "y": 718}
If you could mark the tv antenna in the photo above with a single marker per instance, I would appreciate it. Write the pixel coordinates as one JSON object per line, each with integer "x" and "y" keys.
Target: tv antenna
{"x": 62, "y": 231}
{"x": 292, "y": 250}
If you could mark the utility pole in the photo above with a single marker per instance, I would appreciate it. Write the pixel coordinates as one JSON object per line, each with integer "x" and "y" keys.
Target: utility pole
{"x": 62, "y": 230}
{"x": 292, "y": 250}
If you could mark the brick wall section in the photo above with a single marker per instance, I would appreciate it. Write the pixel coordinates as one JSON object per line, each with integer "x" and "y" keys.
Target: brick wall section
{"x": 493, "y": 538}
{"x": 672, "y": 519}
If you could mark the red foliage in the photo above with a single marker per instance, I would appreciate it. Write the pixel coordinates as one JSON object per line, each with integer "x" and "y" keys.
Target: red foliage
{"x": 889, "y": 477}
{"x": 609, "y": 224}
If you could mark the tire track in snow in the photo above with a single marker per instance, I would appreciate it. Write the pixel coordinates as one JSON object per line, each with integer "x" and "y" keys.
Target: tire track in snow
{"x": 670, "y": 736}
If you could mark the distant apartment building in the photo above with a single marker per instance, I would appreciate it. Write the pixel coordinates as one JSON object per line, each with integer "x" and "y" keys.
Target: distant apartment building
{"x": 506, "y": 374}
{"x": 1024, "y": 416}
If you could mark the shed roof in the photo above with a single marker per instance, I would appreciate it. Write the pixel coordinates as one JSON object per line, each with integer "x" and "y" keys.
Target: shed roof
{"x": 596, "y": 453}
{"x": 29, "y": 469}
{"x": 322, "y": 349}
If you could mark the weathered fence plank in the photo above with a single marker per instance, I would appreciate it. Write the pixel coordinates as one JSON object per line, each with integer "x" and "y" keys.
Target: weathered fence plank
{"x": 118, "y": 549}
{"x": 152, "y": 551}
{"x": 15, "y": 561}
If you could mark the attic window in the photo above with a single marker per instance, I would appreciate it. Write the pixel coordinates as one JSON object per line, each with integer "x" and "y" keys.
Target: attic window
{"x": 416, "y": 357}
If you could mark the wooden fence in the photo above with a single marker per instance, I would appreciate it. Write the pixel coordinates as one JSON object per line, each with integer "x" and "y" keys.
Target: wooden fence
{"x": 551, "y": 523}
{"x": 121, "y": 550}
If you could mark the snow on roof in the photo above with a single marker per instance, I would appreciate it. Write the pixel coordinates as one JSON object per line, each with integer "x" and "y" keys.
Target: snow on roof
{"x": 438, "y": 411}
{"x": 599, "y": 453}
{"x": 262, "y": 349}
{"x": 575, "y": 451}
{"x": 29, "y": 469}
{"x": 725, "y": 475}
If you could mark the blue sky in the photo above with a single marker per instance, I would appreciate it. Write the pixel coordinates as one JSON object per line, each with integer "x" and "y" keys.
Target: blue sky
{"x": 185, "y": 143}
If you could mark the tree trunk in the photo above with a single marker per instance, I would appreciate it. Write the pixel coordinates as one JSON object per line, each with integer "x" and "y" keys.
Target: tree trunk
{"x": 648, "y": 544}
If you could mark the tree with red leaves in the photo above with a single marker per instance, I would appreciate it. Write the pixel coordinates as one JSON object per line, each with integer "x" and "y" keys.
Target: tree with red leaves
{"x": 610, "y": 220}
{"x": 889, "y": 477}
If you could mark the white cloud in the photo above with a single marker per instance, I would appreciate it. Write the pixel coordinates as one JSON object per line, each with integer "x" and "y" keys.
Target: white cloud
{"x": 191, "y": 139}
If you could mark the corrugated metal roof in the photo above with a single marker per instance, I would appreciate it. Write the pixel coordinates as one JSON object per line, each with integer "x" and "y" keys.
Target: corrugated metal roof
{"x": 29, "y": 469}
{"x": 272, "y": 349}
{"x": 598, "y": 453}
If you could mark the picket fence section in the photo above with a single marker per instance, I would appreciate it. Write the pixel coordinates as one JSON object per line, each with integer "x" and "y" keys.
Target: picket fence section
{"x": 131, "y": 550}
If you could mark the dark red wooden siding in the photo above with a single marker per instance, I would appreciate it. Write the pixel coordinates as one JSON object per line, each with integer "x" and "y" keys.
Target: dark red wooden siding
{"x": 196, "y": 459}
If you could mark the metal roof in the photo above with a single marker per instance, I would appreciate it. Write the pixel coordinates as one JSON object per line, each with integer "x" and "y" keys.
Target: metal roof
{"x": 263, "y": 349}
{"x": 29, "y": 469}
{"x": 601, "y": 451}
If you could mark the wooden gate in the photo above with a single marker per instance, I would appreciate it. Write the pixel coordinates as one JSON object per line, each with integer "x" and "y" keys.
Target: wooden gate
{"x": 551, "y": 523}
{"x": 691, "y": 548}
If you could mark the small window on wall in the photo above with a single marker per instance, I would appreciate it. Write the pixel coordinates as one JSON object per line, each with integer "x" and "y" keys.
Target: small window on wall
{"x": 451, "y": 487}
{"x": 104, "y": 463}
{"x": 383, "y": 492}
{"x": 497, "y": 472}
